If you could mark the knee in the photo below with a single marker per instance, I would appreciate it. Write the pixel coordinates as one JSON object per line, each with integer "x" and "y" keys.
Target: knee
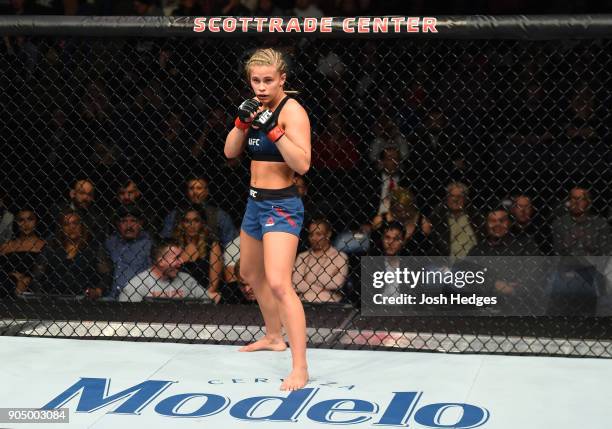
{"x": 279, "y": 286}
{"x": 249, "y": 275}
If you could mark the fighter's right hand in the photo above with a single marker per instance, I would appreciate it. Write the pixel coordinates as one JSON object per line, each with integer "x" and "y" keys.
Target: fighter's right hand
{"x": 246, "y": 112}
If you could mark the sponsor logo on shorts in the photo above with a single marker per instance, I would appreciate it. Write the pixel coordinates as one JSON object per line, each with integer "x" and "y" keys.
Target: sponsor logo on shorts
{"x": 270, "y": 221}
{"x": 286, "y": 216}
{"x": 253, "y": 193}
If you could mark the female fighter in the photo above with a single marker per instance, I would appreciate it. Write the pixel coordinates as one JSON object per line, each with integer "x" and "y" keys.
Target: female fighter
{"x": 275, "y": 129}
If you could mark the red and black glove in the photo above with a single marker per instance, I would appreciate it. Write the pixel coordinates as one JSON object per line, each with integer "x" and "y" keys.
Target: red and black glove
{"x": 267, "y": 121}
{"x": 246, "y": 109}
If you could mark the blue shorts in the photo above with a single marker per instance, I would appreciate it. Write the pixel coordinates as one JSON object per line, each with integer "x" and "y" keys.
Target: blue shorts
{"x": 272, "y": 210}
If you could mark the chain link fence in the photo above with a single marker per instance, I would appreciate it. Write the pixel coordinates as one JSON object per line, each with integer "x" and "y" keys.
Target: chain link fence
{"x": 457, "y": 147}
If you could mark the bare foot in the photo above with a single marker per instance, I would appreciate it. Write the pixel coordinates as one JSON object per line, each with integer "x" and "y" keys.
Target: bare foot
{"x": 275, "y": 344}
{"x": 296, "y": 380}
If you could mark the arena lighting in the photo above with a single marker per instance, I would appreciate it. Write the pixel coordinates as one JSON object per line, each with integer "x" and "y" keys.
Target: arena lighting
{"x": 94, "y": 395}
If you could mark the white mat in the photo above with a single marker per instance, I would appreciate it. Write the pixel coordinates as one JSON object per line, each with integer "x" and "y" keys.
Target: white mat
{"x": 395, "y": 389}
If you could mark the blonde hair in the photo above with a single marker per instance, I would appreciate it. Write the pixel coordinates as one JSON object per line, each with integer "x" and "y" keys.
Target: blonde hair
{"x": 405, "y": 198}
{"x": 267, "y": 57}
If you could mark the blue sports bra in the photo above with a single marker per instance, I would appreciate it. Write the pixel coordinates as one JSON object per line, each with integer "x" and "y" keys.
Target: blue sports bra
{"x": 259, "y": 145}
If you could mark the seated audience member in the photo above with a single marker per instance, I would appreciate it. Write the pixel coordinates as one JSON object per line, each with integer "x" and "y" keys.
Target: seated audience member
{"x": 19, "y": 254}
{"x": 402, "y": 209}
{"x": 219, "y": 222}
{"x": 164, "y": 278}
{"x": 320, "y": 272}
{"x": 128, "y": 247}
{"x": 455, "y": 225}
{"x": 388, "y": 135}
{"x": 525, "y": 225}
{"x": 578, "y": 234}
{"x": 389, "y": 178}
{"x": 524, "y": 277}
{"x": 202, "y": 257}
{"x": 128, "y": 193}
{"x": 391, "y": 246}
{"x": 499, "y": 241}
{"x": 238, "y": 292}
{"x": 82, "y": 201}
{"x": 71, "y": 263}
{"x": 390, "y": 243}
{"x": 6, "y": 222}
{"x": 578, "y": 231}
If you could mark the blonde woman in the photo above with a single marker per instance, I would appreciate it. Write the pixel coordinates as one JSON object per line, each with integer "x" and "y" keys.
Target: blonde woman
{"x": 402, "y": 209}
{"x": 202, "y": 256}
{"x": 275, "y": 130}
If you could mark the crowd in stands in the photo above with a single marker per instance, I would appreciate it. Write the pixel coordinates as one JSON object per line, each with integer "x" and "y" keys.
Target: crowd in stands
{"x": 193, "y": 252}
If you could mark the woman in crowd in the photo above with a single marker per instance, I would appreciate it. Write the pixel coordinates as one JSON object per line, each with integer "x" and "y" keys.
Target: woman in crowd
{"x": 19, "y": 254}
{"x": 203, "y": 258}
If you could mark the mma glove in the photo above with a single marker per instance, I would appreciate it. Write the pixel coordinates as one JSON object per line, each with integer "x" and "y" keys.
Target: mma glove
{"x": 267, "y": 121}
{"x": 246, "y": 109}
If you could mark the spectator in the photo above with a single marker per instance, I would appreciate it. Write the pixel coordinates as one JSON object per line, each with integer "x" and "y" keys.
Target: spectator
{"x": 578, "y": 232}
{"x": 499, "y": 241}
{"x": 388, "y": 135}
{"x": 202, "y": 257}
{"x": 321, "y": 271}
{"x": 455, "y": 227}
{"x": 391, "y": 246}
{"x": 71, "y": 264}
{"x": 129, "y": 247}
{"x": 19, "y": 254}
{"x": 129, "y": 195}
{"x": 6, "y": 222}
{"x": 218, "y": 221}
{"x": 389, "y": 178}
{"x": 525, "y": 225}
{"x": 374, "y": 196}
{"x": 392, "y": 241}
{"x": 81, "y": 200}
{"x": 402, "y": 209}
{"x": 576, "y": 236}
{"x": 164, "y": 278}
{"x": 239, "y": 292}
{"x": 505, "y": 279}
